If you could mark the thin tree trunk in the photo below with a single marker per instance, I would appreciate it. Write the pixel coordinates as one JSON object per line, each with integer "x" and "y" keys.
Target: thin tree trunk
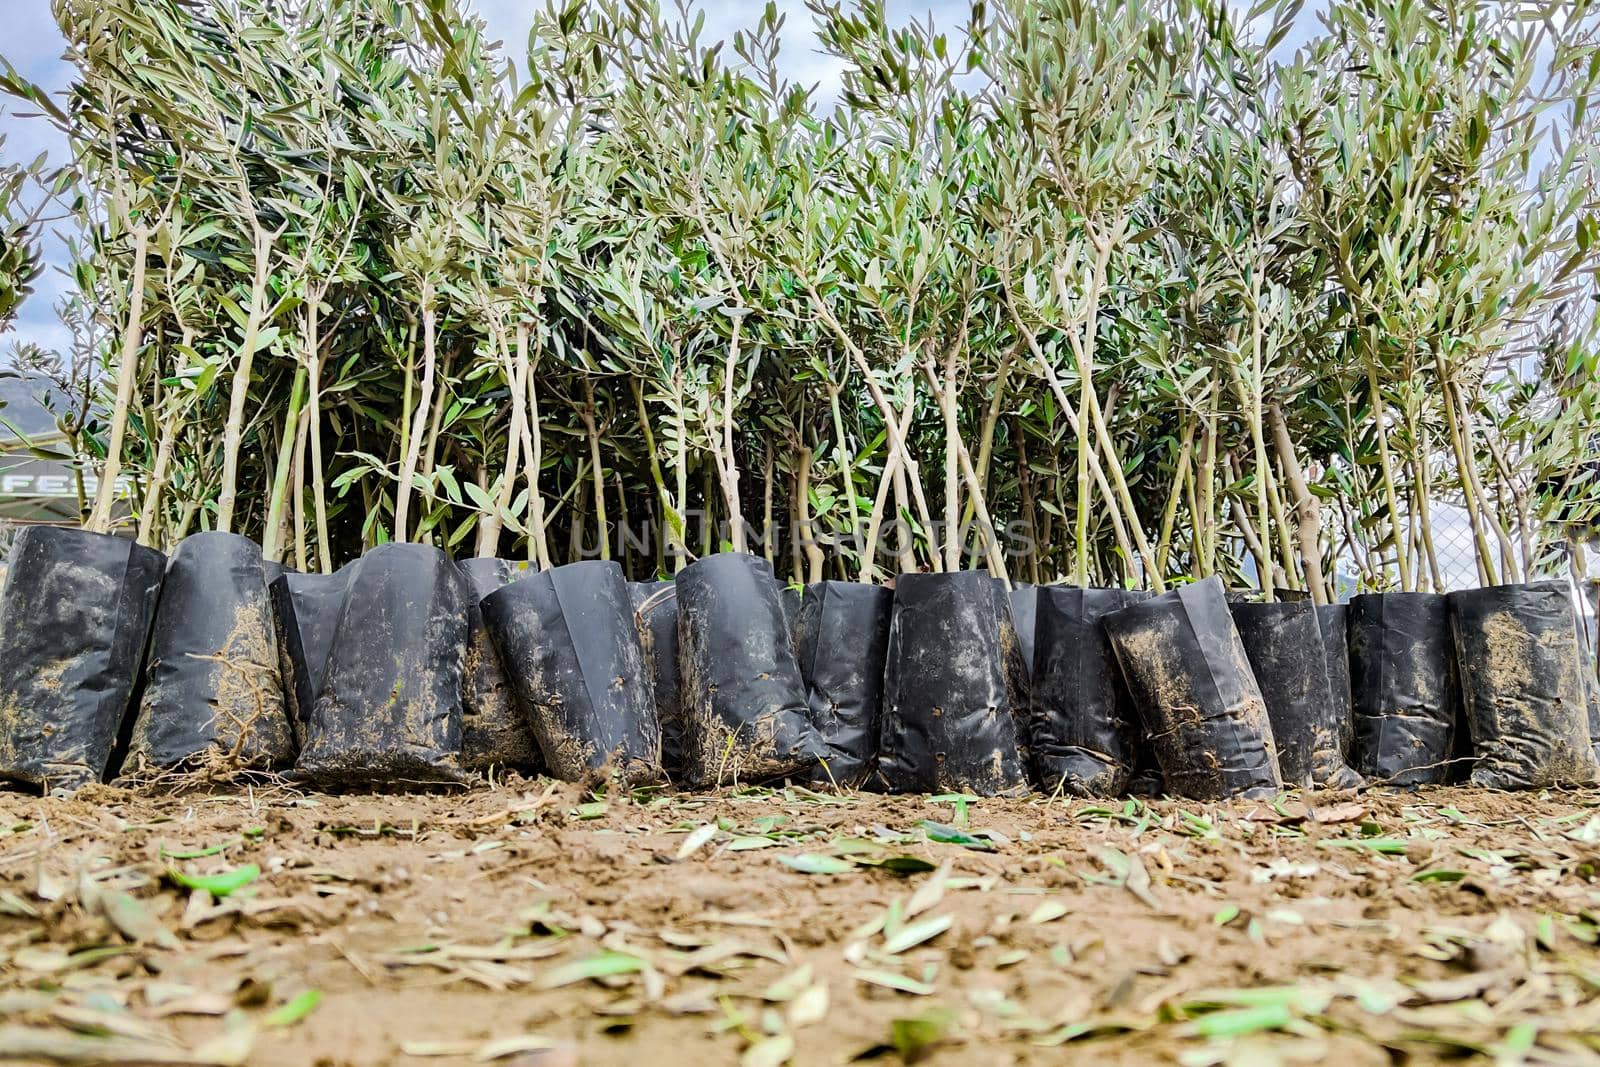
{"x": 233, "y": 430}
{"x": 991, "y": 419}
{"x": 300, "y": 434}
{"x": 1308, "y": 513}
{"x": 105, "y": 493}
{"x": 768, "y": 541}
{"x": 897, "y": 439}
{"x": 952, "y": 479}
{"x": 1466, "y": 476}
{"x": 490, "y": 526}
{"x": 533, "y": 447}
{"x": 596, "y": 470}
{"x": 808, "y": 534}
{"x": 842, "y": 454}
{"x": 728, "y": 462}
{"x": 672, "y": 510}
{"x": 150, "y": 511}
{"x": 272, "y": 529}
{"x": 1391, "y": 498}
{"x": 1170, "y": 512}
{"x": 1205, "y": 522}
{"x": 891, "y": 473}
{"x": 419, "y": 418}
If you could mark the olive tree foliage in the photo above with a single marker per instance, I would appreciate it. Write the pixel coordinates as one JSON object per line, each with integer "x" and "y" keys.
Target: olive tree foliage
{"x": 1122, "y": 294}
{"x": 20, "y": 264}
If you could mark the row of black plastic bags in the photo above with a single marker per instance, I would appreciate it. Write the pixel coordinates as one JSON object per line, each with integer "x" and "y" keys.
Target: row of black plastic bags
{"x": 407, "y": 668}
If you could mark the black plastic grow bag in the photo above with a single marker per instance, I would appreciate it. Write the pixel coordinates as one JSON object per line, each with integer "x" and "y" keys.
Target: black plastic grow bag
{"x": 74, "y": 617}
{"x": 655, "y": 614}
{"x": 1332, "y": 619}
{"x": 842, "y": 635}
{"x": 744, "y": 701}
{"x": 1284, "y": 643}
{"x": 1024, "y": 618}
{"x": 213, "y": 682}
{"x": 1146, "y": 780}
{"x": 494, "y": 730}
{"x": 306, "y": 607}
{"x": 949, "y": 708}
{"x": 1015, "y": 661}
{"x": 1593, "y": 700}
{"x": 1083, "y": 726}
{"x": 790, "y": 597}
{"x": 1522, "y": 685}
{"x": 569, "y": 645}
{"x": 389, "y": 712}
{"x": 1403, "y": 687}
{"x": 1189, "y": 675}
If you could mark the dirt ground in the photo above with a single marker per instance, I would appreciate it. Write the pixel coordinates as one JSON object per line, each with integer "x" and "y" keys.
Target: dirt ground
{"x": 534, "y": 924}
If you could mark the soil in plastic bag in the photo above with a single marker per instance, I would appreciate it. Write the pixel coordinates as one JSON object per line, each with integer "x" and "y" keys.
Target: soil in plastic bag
{"x": 1332, "y": 620}
{"x": 1522, "y": 685}
{"x": 842, "y": 635}
{"x": 655, "y": 613}
{"x": 949, "y": 706}
{"x": 1083, "y": 725}
{"x": 307, "y": 608}
{"x": 744, "y": 701}
{"x": 1403, "y": 688}
{"x": 494, "y": 730}
{"x": 1189, "y": 676}
{"x": 569, "y": 645}
{"x": 213, "y": 682}
{"x": 389, "y": 712}
{"x": 74, "y": 618}
{"x": 1283, "y": 641}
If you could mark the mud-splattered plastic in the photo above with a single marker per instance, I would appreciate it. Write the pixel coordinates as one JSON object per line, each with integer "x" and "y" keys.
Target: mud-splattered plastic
{"x": 74, "y": 618}
{"x": 1082, "y": 723}
{"x": 1332, "y": 619}
{"x": 306, "y": 607}
{"x": 390, "y": 708}
{"x": 949, "y": 707}
{"x": 842, "y": 635}
{"x": 1522, "y": 684}
{"x": 1187, "y": 670}
{"x": 1014, "y": 659}
{"x": 655, "y": 613}
{"x": 569, "y": 645}
{"x": 1594, "y": 720}
{"x": 213, "y": 681}
{"x": 494, "y": 730}
{"x": 744, "y": 701}
{"x": 1403, "y": 687}
{"x": 1283, "y": 641}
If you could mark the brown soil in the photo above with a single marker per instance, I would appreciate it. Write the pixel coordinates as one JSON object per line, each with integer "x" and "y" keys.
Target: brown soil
{"x": 531, "y": 924}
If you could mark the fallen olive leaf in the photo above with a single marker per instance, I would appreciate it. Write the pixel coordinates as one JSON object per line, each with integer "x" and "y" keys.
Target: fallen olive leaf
{"x": 218, "y": 885}
{"x": 295, "y": 1009}
{"x": 604, "y": 965}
